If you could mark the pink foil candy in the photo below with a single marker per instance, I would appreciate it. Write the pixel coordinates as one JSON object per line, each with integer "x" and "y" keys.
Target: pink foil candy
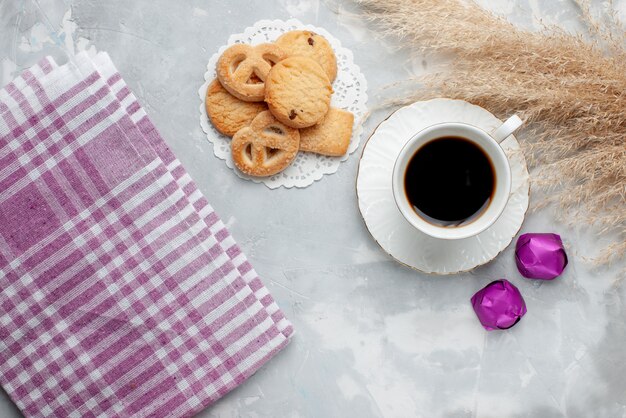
{"x": 540, "y": 256}
{"x": 499, "y": 305}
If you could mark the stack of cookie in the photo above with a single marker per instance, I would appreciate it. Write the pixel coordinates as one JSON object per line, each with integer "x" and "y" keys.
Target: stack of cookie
{"x": 273, "y": 99}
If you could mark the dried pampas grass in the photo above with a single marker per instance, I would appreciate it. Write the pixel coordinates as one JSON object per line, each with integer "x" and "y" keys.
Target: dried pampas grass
{"x": 571, "y": 91}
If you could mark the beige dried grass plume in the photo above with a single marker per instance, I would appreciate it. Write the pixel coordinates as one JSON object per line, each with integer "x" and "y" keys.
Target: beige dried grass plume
{"x": 570, "y": 90}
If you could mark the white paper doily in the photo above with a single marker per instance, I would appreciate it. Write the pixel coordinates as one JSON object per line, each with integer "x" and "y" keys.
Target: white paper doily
{"x": 350, "y": 93}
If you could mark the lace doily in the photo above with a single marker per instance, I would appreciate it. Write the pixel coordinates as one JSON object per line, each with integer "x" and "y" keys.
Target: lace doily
{"x": 350, "y": 93}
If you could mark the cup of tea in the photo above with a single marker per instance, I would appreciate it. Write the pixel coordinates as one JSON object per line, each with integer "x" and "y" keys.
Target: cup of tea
{"x": 453, "y": 180}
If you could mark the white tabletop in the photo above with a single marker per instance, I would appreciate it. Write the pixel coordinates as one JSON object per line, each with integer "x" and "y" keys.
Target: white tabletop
{"x": 372, "y": 337}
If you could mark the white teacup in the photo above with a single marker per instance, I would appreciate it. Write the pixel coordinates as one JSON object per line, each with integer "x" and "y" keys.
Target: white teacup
{"x": 489, "y": 143}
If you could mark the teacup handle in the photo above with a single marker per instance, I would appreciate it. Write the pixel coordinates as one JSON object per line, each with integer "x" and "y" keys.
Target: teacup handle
{"x": 511, "y": 125}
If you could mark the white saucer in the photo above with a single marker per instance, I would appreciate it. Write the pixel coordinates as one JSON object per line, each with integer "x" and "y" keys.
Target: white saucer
{"x": 393, "y": 233}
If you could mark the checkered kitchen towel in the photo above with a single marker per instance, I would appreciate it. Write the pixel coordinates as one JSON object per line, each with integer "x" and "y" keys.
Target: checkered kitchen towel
{"x": 121, "y": 291}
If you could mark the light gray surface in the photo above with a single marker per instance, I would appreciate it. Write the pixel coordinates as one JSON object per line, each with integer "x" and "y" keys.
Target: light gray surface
{"x": 373, "y": 338}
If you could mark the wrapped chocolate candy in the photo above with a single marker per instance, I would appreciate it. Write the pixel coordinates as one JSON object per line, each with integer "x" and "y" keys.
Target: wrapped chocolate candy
{"x": 499, "y": 305}
{"x": 540, "y": 256}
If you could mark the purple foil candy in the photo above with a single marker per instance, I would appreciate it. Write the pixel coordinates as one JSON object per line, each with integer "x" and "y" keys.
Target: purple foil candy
{"x": 540, "y": 256}
{"x": 499, "y": 305}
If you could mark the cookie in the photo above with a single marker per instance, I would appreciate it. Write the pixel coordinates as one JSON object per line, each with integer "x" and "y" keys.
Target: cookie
{"x": 266, "y": 147}
{"x": 331, "y": 136}
{"x": 311, "y": 45}
{"x": 242, "y": 69}
{"x": 297, "y": 92}
{"x": 227, "y": 113}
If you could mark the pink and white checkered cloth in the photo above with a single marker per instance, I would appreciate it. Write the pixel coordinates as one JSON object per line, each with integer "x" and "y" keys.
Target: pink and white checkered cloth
{"x": 121, "y": 291}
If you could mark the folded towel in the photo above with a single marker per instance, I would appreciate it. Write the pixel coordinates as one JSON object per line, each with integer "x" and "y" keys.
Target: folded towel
{"x": 122, "y": 291}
